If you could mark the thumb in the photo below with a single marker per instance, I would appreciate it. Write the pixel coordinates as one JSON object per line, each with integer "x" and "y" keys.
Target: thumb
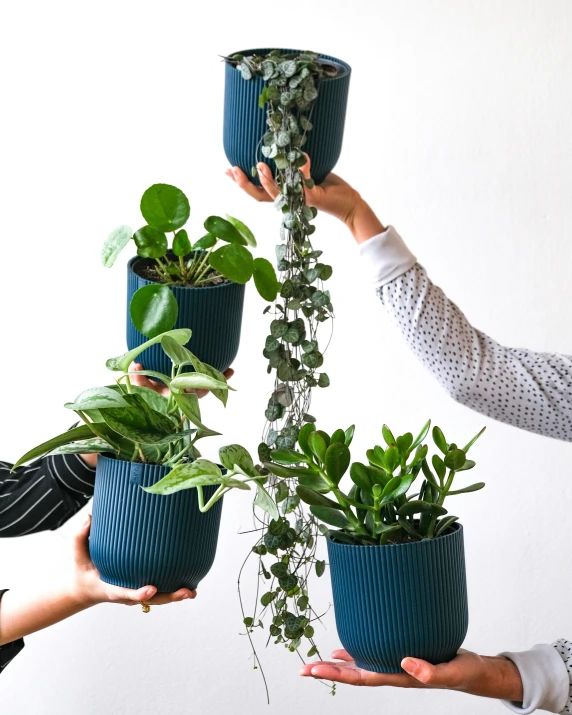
{"x": 81, "y": 542}
{"x": 421, "y": 670}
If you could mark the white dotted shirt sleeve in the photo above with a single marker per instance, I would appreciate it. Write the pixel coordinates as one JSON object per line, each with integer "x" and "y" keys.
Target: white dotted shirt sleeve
{"x": 530, "y": 390}
{"x": 526, "y": 389}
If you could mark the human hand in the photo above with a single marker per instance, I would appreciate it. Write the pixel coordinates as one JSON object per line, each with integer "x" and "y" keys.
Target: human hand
{"x": 88, "y": 588}
{"x": 491, "y": 677}
{"x": 334, "y": 196}
{"x": 161, "y": 388}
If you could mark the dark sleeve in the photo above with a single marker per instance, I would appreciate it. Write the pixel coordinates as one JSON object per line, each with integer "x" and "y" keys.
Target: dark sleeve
{"x": 43, "y": 495}
{"x": 9, "y": 651}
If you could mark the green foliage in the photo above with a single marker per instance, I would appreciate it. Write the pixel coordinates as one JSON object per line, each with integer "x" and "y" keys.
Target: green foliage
{"x": 167, "y": 209}
{"x": 139, "y": 425}
{"x": 377, "y": 508}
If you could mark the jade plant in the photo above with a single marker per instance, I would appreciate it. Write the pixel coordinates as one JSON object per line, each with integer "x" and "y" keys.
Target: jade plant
{"x": 137, "y": 424}
{"x": 380, "y": 507}
{"x": 223, "y": 253}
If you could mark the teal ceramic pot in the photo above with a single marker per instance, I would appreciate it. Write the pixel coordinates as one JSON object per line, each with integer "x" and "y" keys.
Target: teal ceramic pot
{"x": 245, "y": 122}
{"x": 400, "y": 600}
{"x": 139, "y": 539}
{"x": 213, "y": 313}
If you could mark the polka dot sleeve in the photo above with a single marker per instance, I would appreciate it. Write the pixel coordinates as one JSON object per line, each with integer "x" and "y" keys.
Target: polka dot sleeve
{"x": 564, "y": 649}
{"x": 529, "y": 390}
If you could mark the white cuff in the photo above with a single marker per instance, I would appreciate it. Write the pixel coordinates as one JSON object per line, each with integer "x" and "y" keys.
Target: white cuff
{"x": 387, "y": 255}
{"x": 545, "y": 680}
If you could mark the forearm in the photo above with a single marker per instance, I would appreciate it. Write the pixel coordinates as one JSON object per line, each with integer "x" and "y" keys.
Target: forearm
{"x": 499, "y": 679}
{"x": 22, "y": 614}
{"x": 363, "y": 222}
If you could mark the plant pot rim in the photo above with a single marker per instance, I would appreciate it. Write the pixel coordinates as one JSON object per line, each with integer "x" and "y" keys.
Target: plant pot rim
{"x": 135, "y": 259}
{"x": 111, "y": 458}
{"x": 334, "y": 61}
{"x": 457, "y": 527}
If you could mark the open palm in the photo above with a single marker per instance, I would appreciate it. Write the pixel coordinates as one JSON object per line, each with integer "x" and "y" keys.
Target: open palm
{"x": 495, "y": 677}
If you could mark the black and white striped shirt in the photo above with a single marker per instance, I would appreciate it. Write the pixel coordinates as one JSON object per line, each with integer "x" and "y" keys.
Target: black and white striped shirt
{"x": 40, "y": 497}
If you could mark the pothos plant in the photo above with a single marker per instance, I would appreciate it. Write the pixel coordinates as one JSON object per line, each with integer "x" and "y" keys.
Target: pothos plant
{"x": 222, "y": 253}
{"x": 294, "y": 352}
{"x": 137, "y": 424}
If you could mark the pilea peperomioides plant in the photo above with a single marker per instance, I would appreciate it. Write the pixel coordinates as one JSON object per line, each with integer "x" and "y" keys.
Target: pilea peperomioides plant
{"x": 222, "y": 253}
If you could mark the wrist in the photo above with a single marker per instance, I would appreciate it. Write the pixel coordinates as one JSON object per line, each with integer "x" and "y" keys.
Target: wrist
{"x": 82, "y": 595}
{"x": 362, "y": 221}
{"x": 504, "y": 680}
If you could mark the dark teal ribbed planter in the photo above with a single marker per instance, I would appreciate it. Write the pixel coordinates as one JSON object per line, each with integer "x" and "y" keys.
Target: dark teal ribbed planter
{"x": 400, "y": 600}
{"x": 213, "y": 313}
{"x": 245, "y": 122}
{"x": 139, "y": 539}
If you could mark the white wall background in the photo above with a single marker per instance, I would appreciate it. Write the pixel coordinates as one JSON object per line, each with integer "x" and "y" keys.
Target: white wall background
{"x": 459, "y": 132}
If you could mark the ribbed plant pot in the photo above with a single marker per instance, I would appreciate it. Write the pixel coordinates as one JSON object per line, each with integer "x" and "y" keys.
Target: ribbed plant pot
{"x": 139, "y": 539}
{"x": 400, "y": 600}
{"x": 245, "y": 122}
{"x": 213, "y": 313}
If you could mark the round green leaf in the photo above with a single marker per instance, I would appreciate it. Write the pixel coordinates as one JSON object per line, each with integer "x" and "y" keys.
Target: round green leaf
{"x": 181, "y": 243}
{"x": 233, "y": 262}
{"x": 223, "y": 229}
{"x": 243, "y": 229}
{"x": 153, "y": 309}
{"x": 165, "y": 207}
{"x": 207, "y": 241}
{"x": 114, "y": 244}
{"x": 150, "y": 242}
{"x": 265, "y": 279}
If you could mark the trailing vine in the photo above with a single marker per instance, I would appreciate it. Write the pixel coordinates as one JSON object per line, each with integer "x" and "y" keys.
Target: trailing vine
{"x": 294, "y": 353}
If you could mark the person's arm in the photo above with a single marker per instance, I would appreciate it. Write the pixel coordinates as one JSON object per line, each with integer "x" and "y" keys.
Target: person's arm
{"x": 538, "y": 679}
{"x": 25, "y": 613}
{"x": 43, "y": 495}
{"x": 527, "y": 389}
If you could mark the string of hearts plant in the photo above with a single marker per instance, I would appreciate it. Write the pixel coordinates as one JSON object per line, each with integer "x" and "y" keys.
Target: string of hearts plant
{"x": 285, "y": 529}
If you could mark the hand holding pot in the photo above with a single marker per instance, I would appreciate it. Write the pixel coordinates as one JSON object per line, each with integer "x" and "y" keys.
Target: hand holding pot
{"x": 22, "y": 614}
{"x": 91, "y": 590}
{"x": 159, "y": 387}
{"x": 491, "y": 677}
{"x": 333, "y": 196}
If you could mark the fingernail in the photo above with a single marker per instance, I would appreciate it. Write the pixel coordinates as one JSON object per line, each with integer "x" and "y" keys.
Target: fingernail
{"x": 261, "y": 167}
{"x": 235, "y": 170}
{"x": 149, "y": 592}
{"x": 410, "y": 665}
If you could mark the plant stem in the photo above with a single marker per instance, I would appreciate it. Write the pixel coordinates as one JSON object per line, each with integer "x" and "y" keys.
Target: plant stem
{"x": 220, "y": 492}
{"x": 442, "y": 496}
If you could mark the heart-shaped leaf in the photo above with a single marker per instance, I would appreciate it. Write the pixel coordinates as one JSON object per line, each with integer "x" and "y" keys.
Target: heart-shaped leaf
{"x": 200, "y": 473}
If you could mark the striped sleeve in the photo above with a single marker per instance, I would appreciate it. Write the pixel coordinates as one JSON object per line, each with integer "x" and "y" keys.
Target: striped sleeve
{"x": 43, "y": 495}
{"x": 10, "y": 650}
